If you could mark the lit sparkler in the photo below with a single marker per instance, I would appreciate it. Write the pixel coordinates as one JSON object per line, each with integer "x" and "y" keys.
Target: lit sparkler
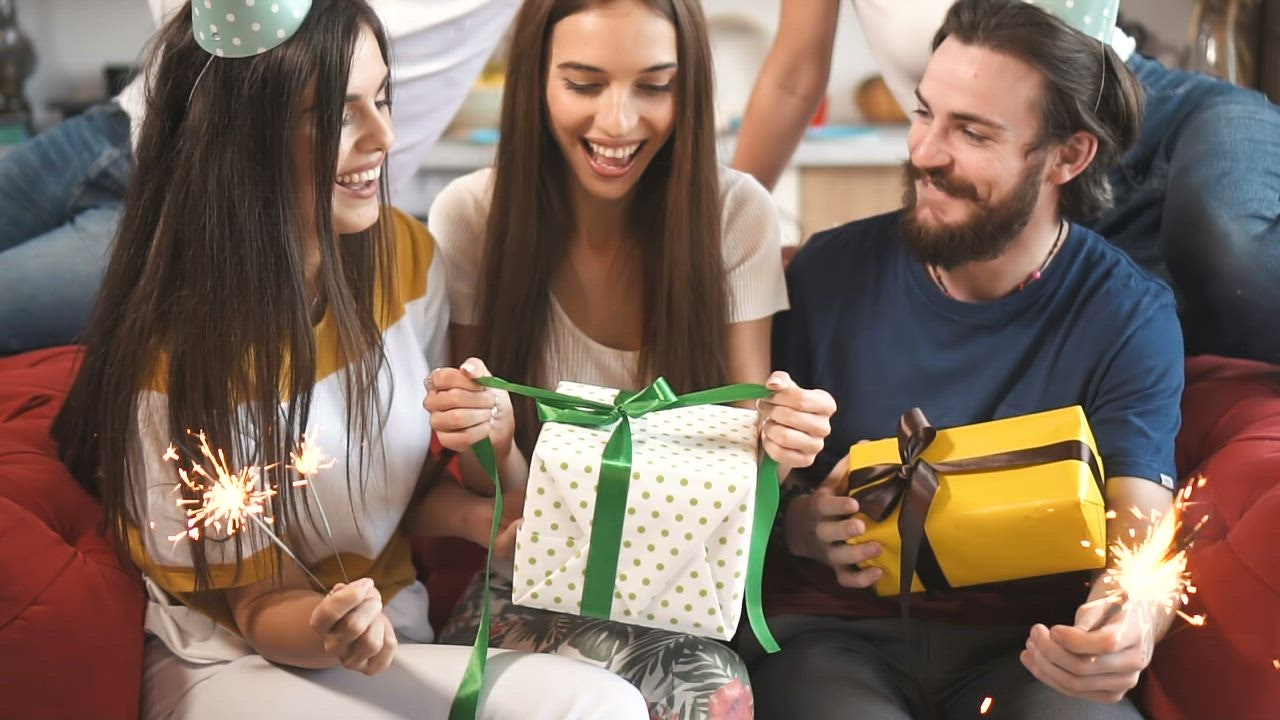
{"x": 307, "y": 461}
{"x": 1153, "y": 573}
{"x": 227, "y": 500}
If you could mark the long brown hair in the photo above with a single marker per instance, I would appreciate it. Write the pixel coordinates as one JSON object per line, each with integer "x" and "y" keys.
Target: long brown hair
{"x": 204, "y": 294}
{"x": 676, "y": 214}
{"x": 1087, "y": 87}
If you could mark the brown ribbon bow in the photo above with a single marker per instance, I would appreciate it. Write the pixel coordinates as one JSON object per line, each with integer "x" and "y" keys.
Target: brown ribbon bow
{"x": 913, "y": 482}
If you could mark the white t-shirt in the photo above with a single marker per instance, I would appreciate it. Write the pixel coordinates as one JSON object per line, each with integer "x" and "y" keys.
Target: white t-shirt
{"x": 438, "y": 47}
{"x": 900, "y": 35}
{"x": 752, "y": 261}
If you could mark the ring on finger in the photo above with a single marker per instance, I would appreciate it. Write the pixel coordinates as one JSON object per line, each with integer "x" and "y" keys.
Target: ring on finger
{"x": 493, "y": 411}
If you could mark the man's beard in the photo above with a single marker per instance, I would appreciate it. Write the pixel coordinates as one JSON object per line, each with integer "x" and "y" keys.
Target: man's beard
{"x": 983, "y": 237}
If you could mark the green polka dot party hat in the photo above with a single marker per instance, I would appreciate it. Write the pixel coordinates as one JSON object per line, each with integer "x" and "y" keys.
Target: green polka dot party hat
{"x": 244, "y": 28}
{"x": 1095, "y": 18}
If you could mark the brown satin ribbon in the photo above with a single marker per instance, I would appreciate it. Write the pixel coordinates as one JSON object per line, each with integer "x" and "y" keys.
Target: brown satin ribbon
{"x": 913, "y": 482}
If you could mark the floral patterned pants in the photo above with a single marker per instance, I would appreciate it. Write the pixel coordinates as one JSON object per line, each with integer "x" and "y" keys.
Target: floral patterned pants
{"x": 682, "y": 677}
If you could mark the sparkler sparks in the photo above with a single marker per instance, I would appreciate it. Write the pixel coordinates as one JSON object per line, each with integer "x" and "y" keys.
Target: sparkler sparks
{"x": 1152, "y": 573}
{"x": 309, "y": 460}
{"x": 986, "y": 705}
{"x": 226, "y": 500}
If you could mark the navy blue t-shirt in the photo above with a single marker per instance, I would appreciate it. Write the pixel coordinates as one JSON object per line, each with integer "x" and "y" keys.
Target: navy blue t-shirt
{"x": 868, "y": 325}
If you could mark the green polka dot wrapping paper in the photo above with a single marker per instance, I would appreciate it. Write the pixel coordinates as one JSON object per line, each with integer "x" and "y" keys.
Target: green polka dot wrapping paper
{"x": 682, "y": 563}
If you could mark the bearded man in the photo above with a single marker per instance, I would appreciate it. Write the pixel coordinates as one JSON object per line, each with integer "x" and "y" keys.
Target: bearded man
{"x": 982, "y": 298}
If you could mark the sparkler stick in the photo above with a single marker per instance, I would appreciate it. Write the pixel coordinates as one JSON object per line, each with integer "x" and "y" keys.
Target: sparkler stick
{"x": 280, "y": 544}
{"x": 307, "y": 461}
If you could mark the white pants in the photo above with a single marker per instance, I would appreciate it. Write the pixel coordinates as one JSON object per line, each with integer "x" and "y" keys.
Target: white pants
{"x": 419, "y": 684}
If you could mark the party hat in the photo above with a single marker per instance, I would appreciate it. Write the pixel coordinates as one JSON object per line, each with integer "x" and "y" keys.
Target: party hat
{"x": 1095, "y": 18}
{"x": 244, "y": 28}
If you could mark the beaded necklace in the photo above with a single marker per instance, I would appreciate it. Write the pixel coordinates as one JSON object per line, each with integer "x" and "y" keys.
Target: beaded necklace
{"x": 1035, "y": 274}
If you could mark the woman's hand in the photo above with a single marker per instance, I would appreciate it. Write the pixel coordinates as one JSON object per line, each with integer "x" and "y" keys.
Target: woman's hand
{"x": 353, "y": 627}
{"x": 794, "y": 421}
{"x": 464, "y": 412}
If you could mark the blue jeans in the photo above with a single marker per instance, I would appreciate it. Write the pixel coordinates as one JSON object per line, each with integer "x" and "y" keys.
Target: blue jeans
{"x": 60, "y": 201}
{"x": 1198, "y": 204}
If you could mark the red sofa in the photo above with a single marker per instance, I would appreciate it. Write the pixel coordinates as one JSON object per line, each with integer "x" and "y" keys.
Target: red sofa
{"x": 1231, "y": 436}
{"x": 71, "y": 612}
{"x": 70, "y": 609}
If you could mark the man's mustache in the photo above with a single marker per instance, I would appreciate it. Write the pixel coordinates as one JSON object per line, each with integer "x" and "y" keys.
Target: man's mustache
{"x": 951, "y": 186}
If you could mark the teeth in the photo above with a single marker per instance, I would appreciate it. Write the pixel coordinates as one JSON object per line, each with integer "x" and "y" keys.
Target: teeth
{"x": 614, "y": 152}
{"x": 361, "y": 177}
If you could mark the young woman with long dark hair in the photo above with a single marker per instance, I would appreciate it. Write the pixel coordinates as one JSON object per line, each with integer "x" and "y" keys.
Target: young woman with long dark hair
{"x": 608, "y": 246}
{"x": 260, "y": 290}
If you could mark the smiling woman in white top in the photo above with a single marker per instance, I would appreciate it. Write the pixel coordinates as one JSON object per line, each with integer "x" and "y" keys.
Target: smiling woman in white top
{"x": 608, "y": 246}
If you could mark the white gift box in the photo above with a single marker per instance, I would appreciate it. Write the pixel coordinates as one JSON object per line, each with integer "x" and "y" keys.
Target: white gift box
{"x": 686, "y": 536}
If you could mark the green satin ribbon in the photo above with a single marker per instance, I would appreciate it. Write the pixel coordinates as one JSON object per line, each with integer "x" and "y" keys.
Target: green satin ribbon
{"x": 467, "y": 699}
{"x": 611, "y": 504}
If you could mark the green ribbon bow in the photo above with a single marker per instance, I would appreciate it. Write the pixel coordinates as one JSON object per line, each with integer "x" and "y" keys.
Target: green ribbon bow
{"x": 611, "y": 504}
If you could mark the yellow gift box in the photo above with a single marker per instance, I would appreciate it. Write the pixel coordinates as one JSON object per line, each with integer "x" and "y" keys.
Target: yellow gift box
{"x": 1015, "y": 498}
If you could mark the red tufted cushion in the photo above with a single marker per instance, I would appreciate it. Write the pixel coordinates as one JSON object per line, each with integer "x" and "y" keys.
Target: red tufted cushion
{"x": 1231, "y": 435}
{"x": 70, "y": 611}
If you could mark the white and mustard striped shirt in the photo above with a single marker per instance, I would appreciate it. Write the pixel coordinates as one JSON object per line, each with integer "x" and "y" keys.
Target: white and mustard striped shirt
{"x": 366, "y": 526}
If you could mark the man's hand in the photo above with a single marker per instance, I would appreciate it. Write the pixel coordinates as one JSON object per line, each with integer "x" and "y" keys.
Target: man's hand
{"x": 818, "y": 527}
{"x": 1099, "y": 664}
{"x": 1103, "y": 663}
{"x": 354, "y": 630}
